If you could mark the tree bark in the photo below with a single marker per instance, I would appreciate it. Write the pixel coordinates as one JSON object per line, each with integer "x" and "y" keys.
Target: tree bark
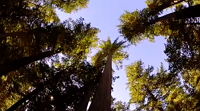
{"x": 40, "y": 87}
{"x": 102, "y": 97}
{"x": 16, "y": 64}
{"x": 89, "y": 91}
{"x": 192, "y": 11}
{"x": 85, "y": 100}
{"x": 164, "y": 6}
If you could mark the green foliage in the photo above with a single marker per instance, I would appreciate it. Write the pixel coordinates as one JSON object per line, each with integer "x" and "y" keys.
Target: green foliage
{"x": 106, "y": 55}
{"x": 149, "y": 22}
{"x": 116, "y": 49}
{"x": 31, "y": 27}
{"x": 181, "y": 55}
{"x": 69, "y": 5}
{"x": 177, "y": 90}
{"x": 18, "y": 83}
{"x": 180, "y": 28}
{"x": 120, "y": 106}
{"x": 162, "y": 90}
{"x": 63, "y": 92}
{"x": 56, "y": 36}
{"x": 137, "y": 79}
{"x": 70, "y": 84}
{"x": 46, "y": 8}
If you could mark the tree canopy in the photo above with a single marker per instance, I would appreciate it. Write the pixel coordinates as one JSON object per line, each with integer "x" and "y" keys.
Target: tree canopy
{"x": 180, "y": 28}
{"x": 165, "y": 89}
{"x": 44, "y": 66}
{"x": 162, "y": 91}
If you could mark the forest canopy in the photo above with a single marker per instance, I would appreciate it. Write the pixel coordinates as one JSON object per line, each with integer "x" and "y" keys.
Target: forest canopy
{"x": 44, "y": 61}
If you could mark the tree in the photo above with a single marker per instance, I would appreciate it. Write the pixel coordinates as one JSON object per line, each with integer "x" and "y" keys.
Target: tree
{"x": 162, "y": 90}
{"x": 104, "y": 49}
{"x": 34, "y": 92}
{"x": 45, "y": 9}
{"x": 90, "y": 88}
{"x": 139, "y": 83}
{"x": 72, "y": 78}
{"x": 120, "y": 106}
{"x": 31, "y": 26}
{"x": 102, "y": 97}
{"x": 31, "y": 31}
{"x": 99, "y": 61}
{"x": 77, "y": 41}
{"x": 16, "y": 64}
{"x": 20, "y": 17}
{"x": 146, "y": 19}
{"x": 180, "y": 28}
{"x": 72, "y": 50}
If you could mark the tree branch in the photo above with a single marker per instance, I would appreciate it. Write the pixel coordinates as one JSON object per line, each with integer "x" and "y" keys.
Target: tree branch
{"x": 182, "y": 14}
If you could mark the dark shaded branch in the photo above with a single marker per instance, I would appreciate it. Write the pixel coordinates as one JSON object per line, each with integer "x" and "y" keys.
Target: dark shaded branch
{"x": 40, "y": 87}
{"x": 153, "y": 98}
{"x": 14, "y": 34}
{"x": 16, "y": 64}
{"x": 164, "y": 6}
{"x": 189, "y": 12}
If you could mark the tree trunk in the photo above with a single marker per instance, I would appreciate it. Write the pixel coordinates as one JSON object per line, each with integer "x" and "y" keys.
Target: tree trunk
{"x": 89, "y": 91}
{"x": 164, "y": 6}
{"x": 85, "y": 100}
{"x": 40, "y": 87}
{"x": 192, "y": 11}
{"x": 16, "y": 64}
{"x": 102, "y": 97}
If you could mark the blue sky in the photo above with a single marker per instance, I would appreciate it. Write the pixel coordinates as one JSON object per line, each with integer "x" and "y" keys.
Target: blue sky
{"x": 105, "y": 14}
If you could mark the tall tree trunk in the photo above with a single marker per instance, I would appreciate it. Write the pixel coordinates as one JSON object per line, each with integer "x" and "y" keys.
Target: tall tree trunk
{"x": 82, "y": 106}
{"x": 85, "y": 100}
{"x": 102, "y": 97}
{"x": 192, "y": 11}
{"x": 40, "y": 87}
{"x": 16, "y": 64}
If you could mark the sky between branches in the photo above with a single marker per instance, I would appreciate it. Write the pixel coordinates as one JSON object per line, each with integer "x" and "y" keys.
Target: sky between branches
{"x": 104, "y": 14}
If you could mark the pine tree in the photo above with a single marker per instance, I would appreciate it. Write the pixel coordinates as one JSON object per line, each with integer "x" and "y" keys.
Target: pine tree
{"x": 102, "y": 97}
{"x": 162, "y": 91}
{"x": 180, "y": 28}
{"x": 73, "y": 42}
{"x": 31, "y": 33}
